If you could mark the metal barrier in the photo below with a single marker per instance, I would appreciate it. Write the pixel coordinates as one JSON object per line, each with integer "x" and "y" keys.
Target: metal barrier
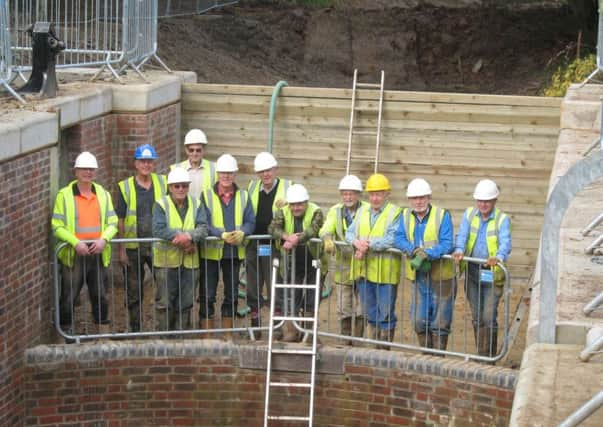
{"x": 187, "y": 7}
{"x": 584, "y": 411}
{"x": 6, "y": 59}
{"x": 214, "y": 305}
{"x": 599, "y": 47}
{"x": 112, "y": 34}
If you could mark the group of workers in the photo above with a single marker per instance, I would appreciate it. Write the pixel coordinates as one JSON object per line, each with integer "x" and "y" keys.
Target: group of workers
{"x": 203, "y": 218}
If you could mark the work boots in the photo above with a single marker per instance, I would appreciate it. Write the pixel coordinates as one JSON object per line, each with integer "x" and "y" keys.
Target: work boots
{"x": 487, "y": 341}
{"x": 425, "y": 340}
{"x": 134, "y": 315}
{"x": 290, "y": 332}
{"x": 358, "y": 330}
{"x": 439, "y": 342}
{"x": 346, "y": 330}
{"x": 386, "y": 335}
{"x": 206, "y": 324}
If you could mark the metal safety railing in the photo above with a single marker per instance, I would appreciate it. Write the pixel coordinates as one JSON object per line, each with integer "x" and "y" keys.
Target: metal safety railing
{"x": 6, "y": 57}
{"x": 584, "y": 412}
{"x": 187, "y": 7}
{"x": 203, "y": 305}
{"x": 599, "y": 47}
{"x": 111, "y": 34}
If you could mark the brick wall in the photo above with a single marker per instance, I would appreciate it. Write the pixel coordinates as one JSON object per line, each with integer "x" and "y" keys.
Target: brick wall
{"x": 202, "y": 383}
{"x": 24, "y": 271}
{"x": 25, "y": 286}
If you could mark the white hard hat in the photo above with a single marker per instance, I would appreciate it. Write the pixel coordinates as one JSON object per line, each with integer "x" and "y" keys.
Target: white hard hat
{"x": 226, "y": 163}
{"x": 418, "y": 187}
{"x": 350, "y": 182}
{"x": 86, "y": 160}
{"x": 486, "y": 189}
{"x": 195, "y": 136}
{"x": 178, "y": 175}
{"x": 297, "y": 193}
{"x": 264, "y": 161}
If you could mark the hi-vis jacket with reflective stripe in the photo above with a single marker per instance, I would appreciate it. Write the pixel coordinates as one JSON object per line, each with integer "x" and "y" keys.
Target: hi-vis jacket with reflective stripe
{"x": 64, "y": 222}
{"x": 166, "y": 255}
{"x": 214, "y": 249}
{"x": 472, "y": 215}
{"x": 440, "y": 269}
{"x": 289, "y": 225}
{"x": 128, "y": 191}
{"x": 335, "y": 226}
{"x": 210, "y": 177}
{"x": 377, "y": 267}
{"x": 254, "y": 193}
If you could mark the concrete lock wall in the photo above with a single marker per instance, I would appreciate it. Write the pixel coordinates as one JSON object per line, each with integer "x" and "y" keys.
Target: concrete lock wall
{"x": 209, "y": 383}
{"x": 37, "y": 150}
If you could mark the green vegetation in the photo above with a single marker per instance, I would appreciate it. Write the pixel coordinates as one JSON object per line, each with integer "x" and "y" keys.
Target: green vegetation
{"x": 570, "y": 72}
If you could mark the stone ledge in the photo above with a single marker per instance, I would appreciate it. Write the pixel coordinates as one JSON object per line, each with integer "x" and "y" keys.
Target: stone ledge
{"x": 25, "y": 132}
{"x": 552, "y": 383}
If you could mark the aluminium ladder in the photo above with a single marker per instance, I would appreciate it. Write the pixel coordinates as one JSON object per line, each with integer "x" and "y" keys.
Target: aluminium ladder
{"x": 356, "y": 131}
{"x": 311, "y": 352}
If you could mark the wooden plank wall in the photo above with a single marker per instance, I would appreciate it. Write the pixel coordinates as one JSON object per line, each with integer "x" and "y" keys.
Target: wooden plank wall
{"x": 452, "y": 140}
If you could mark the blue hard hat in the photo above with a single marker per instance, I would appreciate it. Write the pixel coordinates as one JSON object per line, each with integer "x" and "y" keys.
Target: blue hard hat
{"x": 145, "y": 152}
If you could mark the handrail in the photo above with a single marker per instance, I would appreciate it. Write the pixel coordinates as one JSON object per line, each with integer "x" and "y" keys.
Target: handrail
{"x": 583, "y": 412}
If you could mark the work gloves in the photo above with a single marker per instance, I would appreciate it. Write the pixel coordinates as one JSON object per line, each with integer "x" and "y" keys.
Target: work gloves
{"x": 419, "y": 261}
{"x": 328, "y": 245}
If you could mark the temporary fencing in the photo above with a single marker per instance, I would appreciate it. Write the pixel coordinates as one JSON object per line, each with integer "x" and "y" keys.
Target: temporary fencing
{"x": 112, "y": 34}
{"x": 6, "y": 59}
{"x": 213, "y": 300}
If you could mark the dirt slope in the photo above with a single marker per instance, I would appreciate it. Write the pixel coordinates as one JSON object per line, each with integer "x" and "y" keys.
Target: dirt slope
{"x": 437, "y": 49}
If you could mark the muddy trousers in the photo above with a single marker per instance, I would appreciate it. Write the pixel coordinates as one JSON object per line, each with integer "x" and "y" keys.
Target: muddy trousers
{"x": 174, "y": 297}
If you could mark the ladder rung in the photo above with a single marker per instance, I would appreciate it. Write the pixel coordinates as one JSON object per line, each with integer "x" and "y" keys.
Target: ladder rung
{"x": 364, "y": 132}
{"x": 287, "y": 418}
{"x": 291, "y": 351}
{"x": 296, "y": 318}
{"x": 365, "y": 85}
{"x": 299, "y": 385}
{"x": 293, "y": 286}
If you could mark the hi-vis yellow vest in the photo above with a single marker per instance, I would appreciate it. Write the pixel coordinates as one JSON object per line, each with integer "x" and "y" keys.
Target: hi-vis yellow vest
{"x": 128, "y": 191}
{"x": 166, "y": 255}
{"x": 254, "y": 193}
{"x": 440, "y": 270}
{"x": 472, "y": 215}
{"x": 214, "y": 249}
{"x": 210, "y": 177}
{"x": 336, "y": 226}
{"x": 289, "y": 225}
{"x": 64, "y": 222}
{"x": 376, "y": 267}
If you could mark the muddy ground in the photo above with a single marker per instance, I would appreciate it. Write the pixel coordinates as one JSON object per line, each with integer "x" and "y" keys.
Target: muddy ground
{"x": 484, "y": 50}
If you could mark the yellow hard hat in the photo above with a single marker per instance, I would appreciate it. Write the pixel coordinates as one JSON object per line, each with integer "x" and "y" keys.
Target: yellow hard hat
{"x": 378, "y": 182}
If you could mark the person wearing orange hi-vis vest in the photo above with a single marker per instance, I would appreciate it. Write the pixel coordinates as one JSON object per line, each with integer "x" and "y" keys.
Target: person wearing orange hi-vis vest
{"x": 83, "y": 210}
{"x": 376, "y": 273}
{"x": 425, "y": 234}
{"x": 485, "y": 233}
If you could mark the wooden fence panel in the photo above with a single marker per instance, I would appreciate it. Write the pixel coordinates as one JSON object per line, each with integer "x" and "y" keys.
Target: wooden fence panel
{"x": 452, "y": 140}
